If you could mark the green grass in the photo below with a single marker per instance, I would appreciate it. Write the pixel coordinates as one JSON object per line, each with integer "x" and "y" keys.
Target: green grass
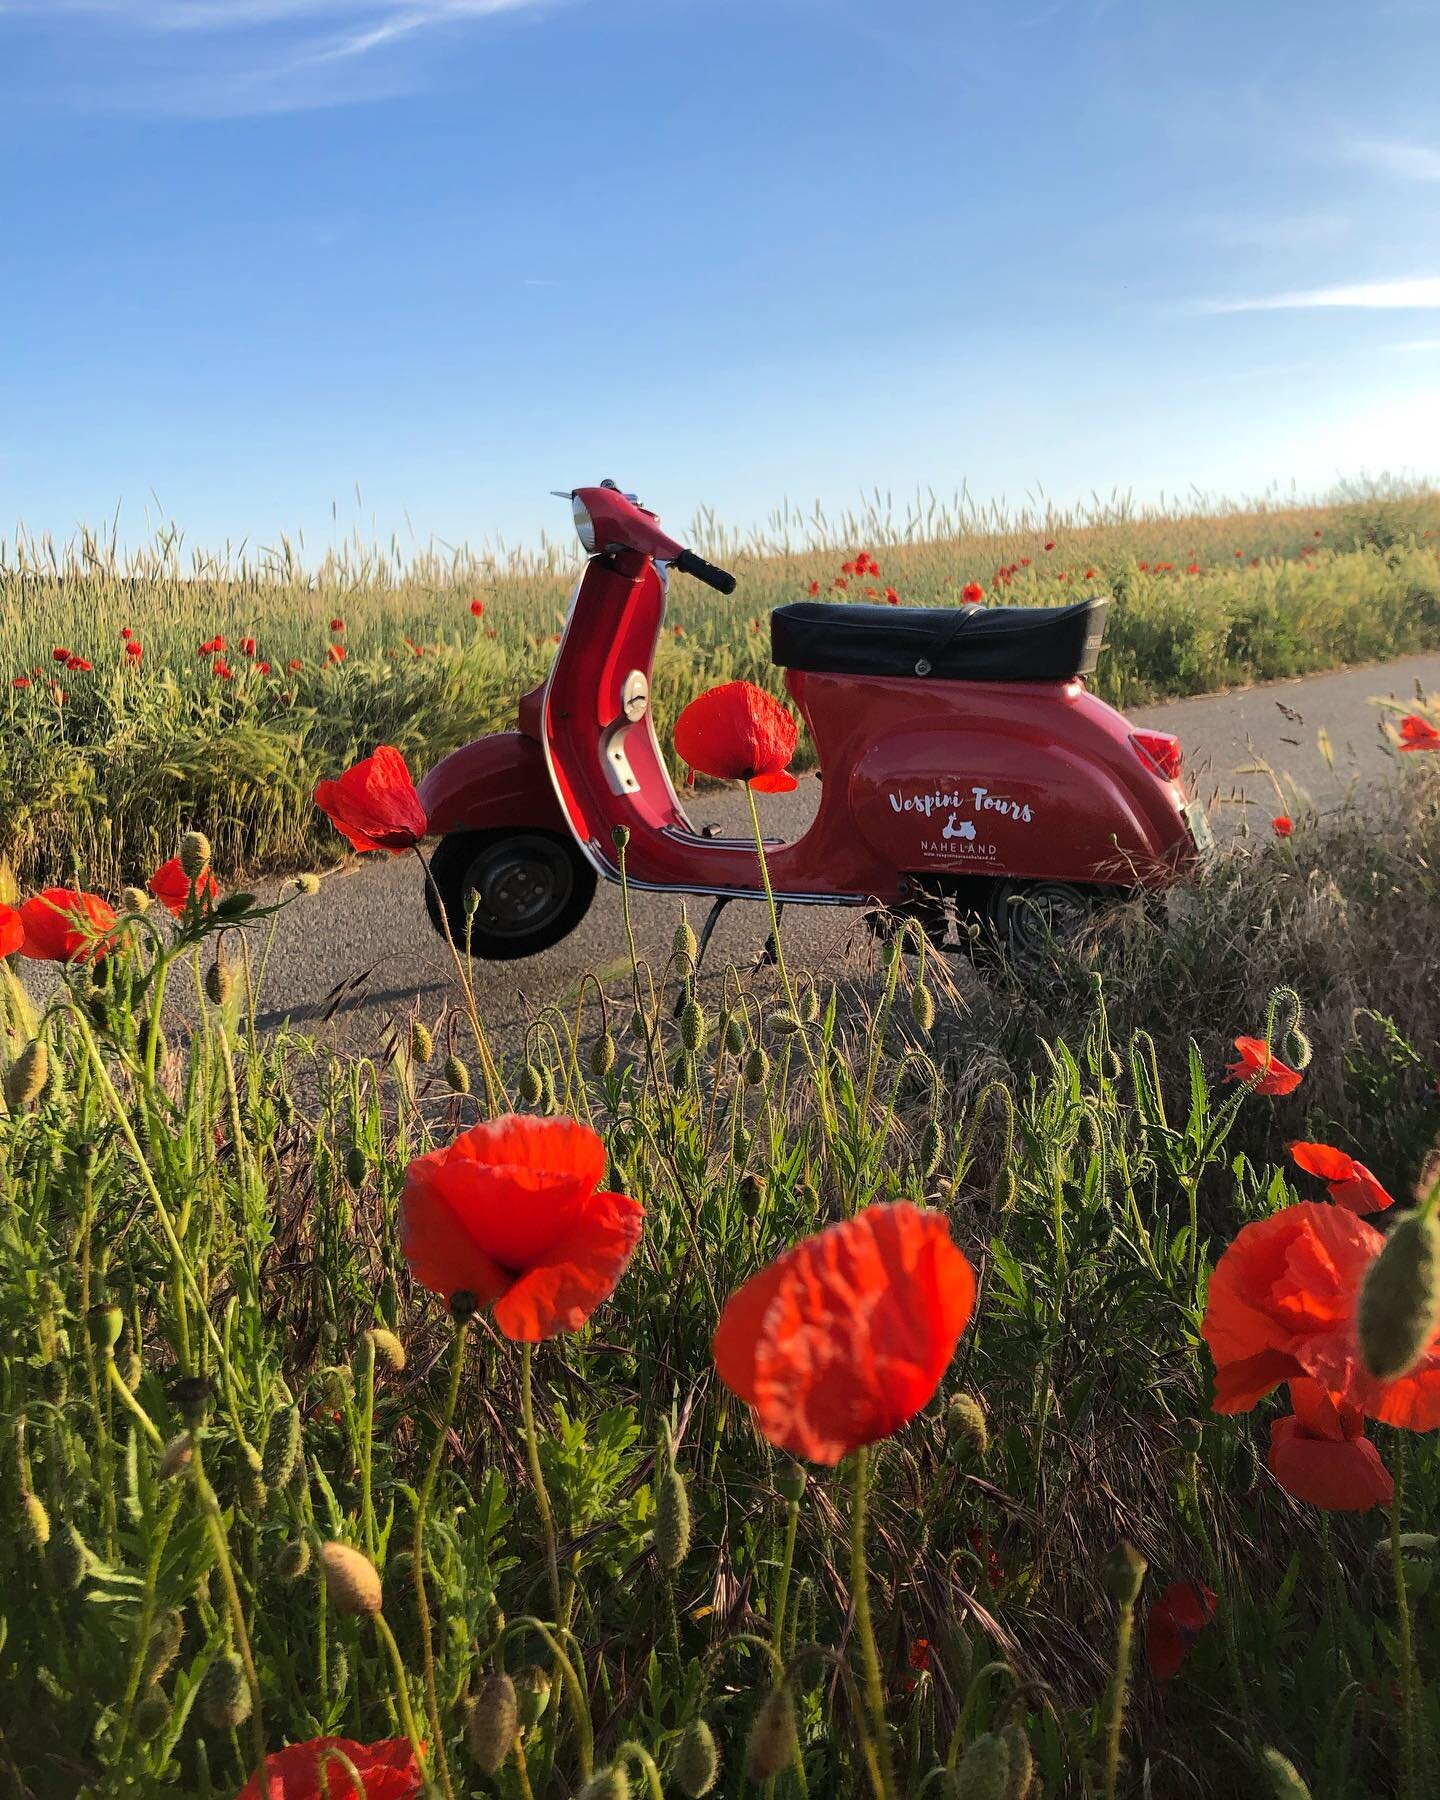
{"x": 104, "y": 782}
{"x": 235, "y": 1195}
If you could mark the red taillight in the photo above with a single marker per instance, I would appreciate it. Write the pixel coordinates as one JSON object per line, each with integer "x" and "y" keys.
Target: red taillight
{"x": 1160, "y": 750}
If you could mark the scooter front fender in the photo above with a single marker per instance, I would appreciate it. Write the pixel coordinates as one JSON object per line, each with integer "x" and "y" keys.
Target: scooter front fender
{"x": 493, "y": 782}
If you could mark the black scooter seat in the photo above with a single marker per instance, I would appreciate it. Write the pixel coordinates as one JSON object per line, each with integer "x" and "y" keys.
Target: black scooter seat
{"x": 969, "y": 643}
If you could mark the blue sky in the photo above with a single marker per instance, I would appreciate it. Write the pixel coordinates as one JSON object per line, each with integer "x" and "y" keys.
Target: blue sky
{"x": 459, "y": 252}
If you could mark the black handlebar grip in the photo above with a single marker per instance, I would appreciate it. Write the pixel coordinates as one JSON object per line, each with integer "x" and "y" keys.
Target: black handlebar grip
{"x": 688, "y": 563}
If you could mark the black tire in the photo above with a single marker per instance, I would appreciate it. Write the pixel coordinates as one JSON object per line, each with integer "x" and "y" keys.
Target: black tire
{"x": 533, "y": 888}
{"x": 1028, "y": 920}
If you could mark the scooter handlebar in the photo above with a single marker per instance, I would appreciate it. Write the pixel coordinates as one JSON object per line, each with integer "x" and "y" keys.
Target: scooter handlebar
{"x": 688, "y": 563}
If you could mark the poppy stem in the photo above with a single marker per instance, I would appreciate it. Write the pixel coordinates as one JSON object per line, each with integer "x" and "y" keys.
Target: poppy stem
{"x": 490, "y": 1074}
{"x": 537, "y": 1478}
{"x": 402, "y": 1695}
{"x": 422, "y": 1600}
{"x": 881, "y": 1770}
{"x": 1119, "y": 1691}
{"x": 215, "y": 1527}
{"x": 1409, "y": 1726}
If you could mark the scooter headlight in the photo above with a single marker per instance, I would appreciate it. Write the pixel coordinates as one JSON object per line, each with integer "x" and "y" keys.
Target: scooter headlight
{"x": 584, "y": 526}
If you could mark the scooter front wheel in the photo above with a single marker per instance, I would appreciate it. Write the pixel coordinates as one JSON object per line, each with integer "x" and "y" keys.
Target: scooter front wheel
{"x": 528, "y": 890}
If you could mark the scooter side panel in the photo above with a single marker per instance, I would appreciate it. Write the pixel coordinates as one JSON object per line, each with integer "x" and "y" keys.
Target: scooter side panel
{"x": 496, "y": 781}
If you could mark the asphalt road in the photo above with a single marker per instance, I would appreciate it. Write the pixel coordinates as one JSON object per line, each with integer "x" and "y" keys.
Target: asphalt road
{"x": 366, "y": 931}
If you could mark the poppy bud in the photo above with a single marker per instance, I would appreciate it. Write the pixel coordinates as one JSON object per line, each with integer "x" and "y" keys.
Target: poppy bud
{"x": 685, "y": 942}
{"x": 35, "y": 1522}
{"x": 983, "y": 1772}
{"x": 388, "y": 1348}
{"x": 620, "y": 836}
{"x": 1022, "y": 1761}
{"x": 734, "y": 1036}
{"x": 163, "y": 1647}
{"x": 532, "y": 1691}
{"x": 1399, "y": 1311}
{"x": 771, "y": 1743}
{"x": 1283, "y": 1776}
{"x": 219, "y": 982}
{"x": 307, "y": 884}
{"x": 757, "y": 1066}
{"x": 337, "y": 1386}
{"x": 194, "y": 855}
{"x": 639, "y": 1025}
{"x": 252, "y": 1483}
{"x": 808, "y": 1006}
{"x": 494, "y": 1722}
{"x": 602, "y": 1055}
{"x": 783, "y": 1024}
{"x": 457, "y": 1076}
{"x": 292, "y": 1559}
{"x": 694, "y": 1027}
{"x": 357, "y": 1166}
{"x": 532, "y": 1085}
{"x": 285, "y": 1107}
{"x": 697, "y": 1761}
{"x": 351, "y": 1579}
{"x": 790, "y": 1482}
{"x": 1007, "y": 1188}
{"x": 175, "y": 1458}
{"x": 965, "y": 1422}
{"x": 69, "y": 1558}
{"x": 55, "y": 1383}
{"x": 282, "y": 1447}
{"x": 134, "y": 900}
{"x": 1122, "y": 1573}
{"x": 104, "y": 1323}
{"x": 672, "y": 1521}
{"x": 607, "y": 1784}
{"x": 224, "y": 1696}
{"x": 422, "y": 1043}
{"x": 932, "y": 1147}
{"x": 25, "y": 1078}
{"x": 922, "y": 1006}
{"x": 152, "y": 1714}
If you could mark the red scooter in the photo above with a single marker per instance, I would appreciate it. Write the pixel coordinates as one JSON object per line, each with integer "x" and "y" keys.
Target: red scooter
{"x": 967, "y": 772}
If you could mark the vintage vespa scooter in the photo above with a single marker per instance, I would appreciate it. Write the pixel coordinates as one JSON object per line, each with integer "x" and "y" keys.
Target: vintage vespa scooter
{"x": 966, "y": 770}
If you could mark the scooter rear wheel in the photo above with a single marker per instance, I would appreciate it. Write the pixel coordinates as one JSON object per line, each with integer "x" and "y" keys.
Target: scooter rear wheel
{"x": 529, "y": 888}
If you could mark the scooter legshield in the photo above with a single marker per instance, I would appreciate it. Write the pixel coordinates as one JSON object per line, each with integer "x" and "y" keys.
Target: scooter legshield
{"x": 496, "y": 781}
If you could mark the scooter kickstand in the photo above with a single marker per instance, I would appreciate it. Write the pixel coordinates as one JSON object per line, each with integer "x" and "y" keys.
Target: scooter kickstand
{"x": 707, "y": 931}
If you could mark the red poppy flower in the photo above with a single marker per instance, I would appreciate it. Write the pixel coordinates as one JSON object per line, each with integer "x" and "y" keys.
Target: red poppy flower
{"x": 64, "y": 925}
{"x": 972, "y": 592}
{"x": 171, "y": 886}
{"x": 850, "y": 568}
{"x": 218, "y": 641}
{"x": 1192, "y": 568}
{"x": 1089, "y": 575}
{"x": 510, "y": 1213}
{"x": 477, "y": 609}
{"x": 21, "y": 681}
{"x": 60, "y": 654}
{"x": 1320, "y": 1453}
{"x": 134, "y": 649}
{"x": 1164, "y": 568}
{"x": 891, "y": 597}
{"x": 844, "y": 1338}
{"x": 1176, "y": 1619}
{"x": 223, "y": 671}
{"x": 294, "y": 665}
{"x": 679, "y": 631}
{"x": 1025, "y": 562}
{"x": 1051, "y": 544}
{"x": 1144, "y": 566}
{"x": 1418, "y": 734}
{"x": 126, "y": 633}
{"x": 387, "y": 1770}
{"x": 1282, "y": 1305}
{"x": 336, "y": 653}
{"x": 247, "y": 646}
{"x": 1282, "y": 826}
{"x": 738, "y": 732}
{"x": 919, "y": 1657}
{"x": 1257, "y": 1058}
{"x": 375, "y": 804}
{"x": 263, "y": 667}
{"x": 814, "y": 587}
{"x": 839, "y": 583}
{"x": 994, "y": 1568}
{"x": 12, "y": 930}
{"x": 1315, "y": 533}
{"x": 1351, "y": 1184}
{"x": 337, "y": 624}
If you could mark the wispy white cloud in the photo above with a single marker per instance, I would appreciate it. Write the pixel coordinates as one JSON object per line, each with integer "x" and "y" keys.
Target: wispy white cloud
{"x": 1411, "y": 162}
{"x": 1418, "y": 293}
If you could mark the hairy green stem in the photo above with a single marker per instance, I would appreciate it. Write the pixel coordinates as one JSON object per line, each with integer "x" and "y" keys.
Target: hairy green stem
{"x": 881, "y": 1766}
{"x": 422, "y": 1504}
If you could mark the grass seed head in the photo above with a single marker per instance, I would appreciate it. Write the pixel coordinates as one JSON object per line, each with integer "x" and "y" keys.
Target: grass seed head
{"x": 493, "y": 1723}
{"x": 351, "y": 1580}
{"x": 771, "y": 1743}
{"x": 1399, "y": 1310}
{"x": 194, "y": 855}
{"x": 672, "y": 1521}
{"x": 224, "y": 1695}
{"x": 697, "y": 1760}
